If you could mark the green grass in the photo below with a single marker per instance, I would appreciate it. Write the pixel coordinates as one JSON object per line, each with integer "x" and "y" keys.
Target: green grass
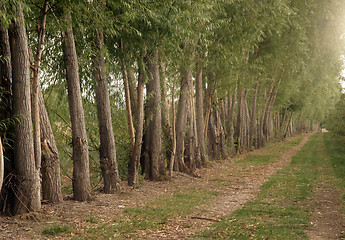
{"x": 253, "y": 159}
{"x": 271, "y": 153}
{"x": 335, "y": 147}
{"x": 152, "y": 216}
{"x": 280, "y": 210}
{"x": 55, "y": 229}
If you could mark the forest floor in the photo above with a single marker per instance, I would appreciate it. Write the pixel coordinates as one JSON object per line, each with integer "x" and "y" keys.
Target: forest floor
{"x": 225, "y": 186}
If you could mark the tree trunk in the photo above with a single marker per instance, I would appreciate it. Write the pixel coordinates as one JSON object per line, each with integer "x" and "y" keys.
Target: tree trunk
{"x": 192, "y": 156}
{"x": 130, "y": 122}
{"x": 35, "y": 85}
{"x": 51, "y": 179}
{"x": 200, "y": 114}
{"x": 181, "y": 120}
{"x": 230, "y": 122}
{"x": 132, "y": 92}
{"x": 81, "y": 174}
{"x": 239, "y": 125}
{"x": 28, "y": 183}
{"x": 1, "y": 165}
{"x": 166, "y": 126}
{"x": 213, "y": 137}
{"x": 253, "y": 119}
{"x": 133, "y": 166}
{"x": 7, "y": 194}
{"x": 173, "y": 152}
{"x": 107, "y": 149}
{"x": 157, "y": 168}
{"x": 5, "y": 74}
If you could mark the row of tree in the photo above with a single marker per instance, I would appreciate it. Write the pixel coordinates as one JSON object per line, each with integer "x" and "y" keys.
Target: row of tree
{"x": 241, "y": 73}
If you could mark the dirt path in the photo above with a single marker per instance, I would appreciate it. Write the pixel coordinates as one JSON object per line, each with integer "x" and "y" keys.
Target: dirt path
{"x": 245, "y": 183}
{"x": 236, "y": 184}
{"x": 327, "y": 220}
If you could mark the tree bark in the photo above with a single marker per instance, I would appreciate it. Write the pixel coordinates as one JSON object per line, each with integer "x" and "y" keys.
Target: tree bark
{"x": 128, "y": 102}
{"x": 166, "y": 126}
{"x": 132, "y": 92}
{"x": 157, "y": 168}
{"x": 107, "y": 149}
{"x": 199, "y": 105}
{"x": 28, "y": 184}
{"x": 5, "y": 74}
{"x": 230, "y": 122}
{"x": 7, "y": 194}
{"x": 35, "y": 85}
{"x": 2, "y": 167}
{"x": 253, "y": 119}
{"x": 81, "y": 175}
{"x": 51, "y": 179}
{"x": 133, "y": 166}
{"x": 173, "y": 152}
{"x": 181, "y": 121}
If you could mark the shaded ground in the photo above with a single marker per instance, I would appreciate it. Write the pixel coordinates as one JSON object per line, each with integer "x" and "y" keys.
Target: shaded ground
{"x": 236, "y": 184}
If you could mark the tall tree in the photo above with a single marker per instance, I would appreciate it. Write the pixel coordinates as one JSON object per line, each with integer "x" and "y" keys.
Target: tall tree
{"x": 81, "y": 174}
{"x": 133, "y": 166}
{"x": 154, "y": 130}
{"x": 35, "y": 85}
{"x": 199, "y": 103}
{"x": 28, "y": 183}
{"x": 107, "y": 149}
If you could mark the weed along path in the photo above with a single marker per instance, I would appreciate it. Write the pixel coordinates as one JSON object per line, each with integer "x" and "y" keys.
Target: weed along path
{"x": 287, "y": 190}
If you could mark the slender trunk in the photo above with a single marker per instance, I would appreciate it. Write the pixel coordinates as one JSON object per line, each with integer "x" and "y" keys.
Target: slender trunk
{"x": 165, "y": 109}
{"x": 287, "y": 125}
{"x": 133, "y": 166}
{"x": 181, "y": 120}
{"x": 5, "y": 73}
{"x": 157, "y": 168}
{"x": 200, "y": 114}
{"x": 266, "y": 113}
{"x": 80, "y": 156}
{"x": 209, "y": 95}
{"x": 132, "y": 93}
{"x": 51, "y": 179}
{"x": 253, "y": 120}
{"x": 128, "y": 103}
{"x": 230, "y": 121}
{"x": 213, "y": 136}
{"x": 28, "y": 183}
{"x": 240, "y": 123}
{"x": 173, "y": 152}
{"x": 107, "y": 149}
{"x": 246, "y": 120}
{"x": 1, "y": 165}
{"x": 166, "y": 126}
{"x": 35, "y": 86}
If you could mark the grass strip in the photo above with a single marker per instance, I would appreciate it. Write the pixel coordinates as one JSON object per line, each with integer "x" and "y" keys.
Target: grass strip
{"x": 152, "y": 216}
{"x": 270, "y": 153}
{"x": 280, "y": 210}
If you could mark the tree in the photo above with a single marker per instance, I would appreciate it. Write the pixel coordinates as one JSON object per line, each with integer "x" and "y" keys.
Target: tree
{"x": 27, "y": 172}
{"x": 153, "y": 135}
{"x": 107, "y": 148}
{"x": 81, "y": 175}
{"x": 133, "y": 166}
